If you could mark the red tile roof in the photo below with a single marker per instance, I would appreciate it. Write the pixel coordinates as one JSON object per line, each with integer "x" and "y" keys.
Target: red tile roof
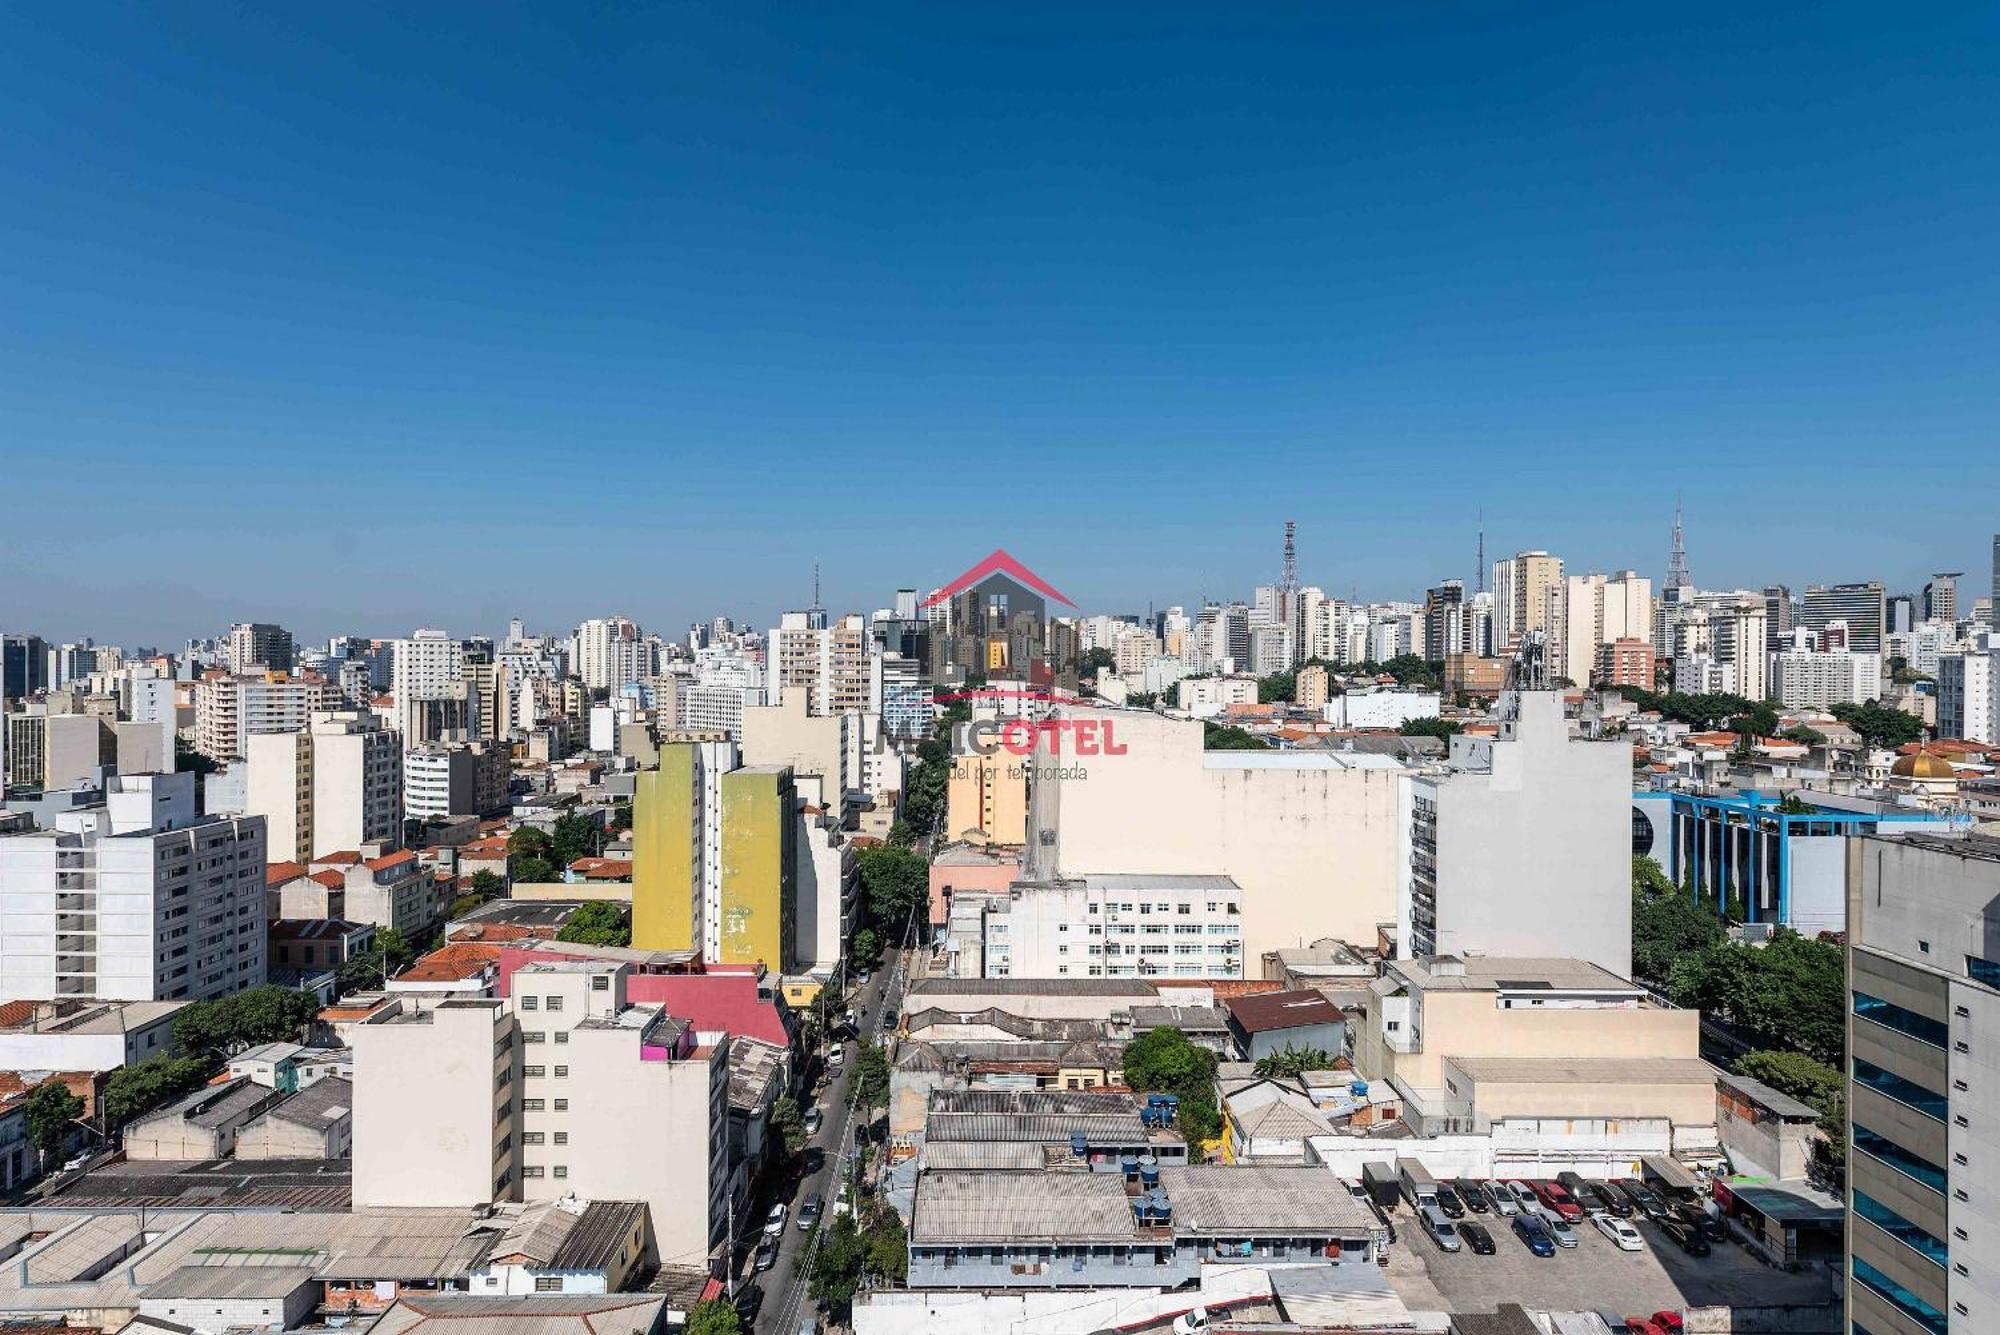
{"x": 475, "y": 848}
{"x": 453, "y": 963}
{"x": 1269, "y": 1011}
{"x": 16, "y": 1012}
{"x": 332, "y": 880}
{"x": 603, "y": 869}
{"x": 346, "y": 857}
{"x": 402, "y": 857}
{"x": 277, "y": 873}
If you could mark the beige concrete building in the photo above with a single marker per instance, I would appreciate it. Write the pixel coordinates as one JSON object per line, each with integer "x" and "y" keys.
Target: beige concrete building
{"x": 1310, "y": 837}
{"x": 337, "y": 783}
{"x": 1468, "y": 1041}
{"x": 563, "y": 1088}
{"x": 1528, "y": 593}
{"x": 228, "y": 710}
{"x": 1309, "y": 692}
{"x": 435, "y": 1105}
{"x": 986, "y": 799}
{"x": 1599, "y": 609}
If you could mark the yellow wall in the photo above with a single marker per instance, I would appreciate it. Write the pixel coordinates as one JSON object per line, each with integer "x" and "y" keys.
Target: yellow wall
{"x": 665, "y": 811}
{"x": 1469, "y": 1024}
{"x": 988, "y": 793}
{"x": 759, "y": 900}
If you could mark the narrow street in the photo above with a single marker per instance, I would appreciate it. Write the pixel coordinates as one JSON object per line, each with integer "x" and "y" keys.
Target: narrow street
{"x": 784, "y": 1306}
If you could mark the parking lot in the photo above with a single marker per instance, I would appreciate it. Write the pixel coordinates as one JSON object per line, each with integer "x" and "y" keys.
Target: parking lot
{"x": 1594, "y": 1276}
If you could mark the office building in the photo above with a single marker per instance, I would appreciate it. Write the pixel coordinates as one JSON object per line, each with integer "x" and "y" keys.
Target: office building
{"x": 1528, "y": 593}
{"x": 229, "y": 709}
{"x": 1599, "y": 609}
{"x": 1923, "y": 1210}
{"x": 1521, "y": 844}
{"x": 1968, "y": 696}
{"x": 336, "y": 784}
{"x": 138, "y": 899}
{"x": 1803, "y": 680}
{"x": 1448, "y": 626}
{"x": 24, "y": 666}
{"x": 1718, "y": 643}
{"x": 1864, "y": 607}
{"x": 1627, "y": 662}
{"x": 254, "y": 647}
{"x": 610, "y": 653}
{"x": 1940, "y": 601}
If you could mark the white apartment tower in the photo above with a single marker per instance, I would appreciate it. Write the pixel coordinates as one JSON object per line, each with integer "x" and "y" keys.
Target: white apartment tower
{"x": 1527, "y": 595}
{"x": 229, "y": 710}
{"x": 336, "y": 785}
{"x": 1599, "y": 609}
{"x": 1968, "y": 696}
{"x": 138, "y": 899}
{"x": 610, "y": 653}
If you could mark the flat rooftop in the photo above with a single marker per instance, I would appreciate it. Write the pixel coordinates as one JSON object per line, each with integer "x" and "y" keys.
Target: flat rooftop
{"x": 297, "y": 1184}
{"x": 1142, "y": 881}
{"x": 1314, "y": 759}
{"x": 83, "y": 1016}
{"x": 1240, "y": 1200}
{"x": 1499, "y": 973}
{"x": 960, "y": 1208}
{"x": 1587, "y": 1070}
{"x": 1029, "y": 987}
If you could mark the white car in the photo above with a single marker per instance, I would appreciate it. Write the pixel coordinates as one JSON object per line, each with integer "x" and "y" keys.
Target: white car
{"x": 1192, "y": 1323}
{"x": 775, "y": 1221}
{"x": 1503, "y": 1198}
{"x": 1623, "y": 1236}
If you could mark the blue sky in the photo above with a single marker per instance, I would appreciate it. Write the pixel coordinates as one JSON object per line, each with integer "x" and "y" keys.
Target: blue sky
{"x": 363, "y": 316}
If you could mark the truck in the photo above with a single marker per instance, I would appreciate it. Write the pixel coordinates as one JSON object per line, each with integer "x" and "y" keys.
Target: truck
{"x": 1381, "y": 1182}
{"x": 1419, "y": 1187}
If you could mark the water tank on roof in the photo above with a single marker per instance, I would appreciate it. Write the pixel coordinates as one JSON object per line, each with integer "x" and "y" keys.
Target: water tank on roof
{"x": 1149, "y": 1171}
{"x": 1128, "y": 1164}
{"x": 1079, "y": 1144}
{"x": 1358, "y": 1088}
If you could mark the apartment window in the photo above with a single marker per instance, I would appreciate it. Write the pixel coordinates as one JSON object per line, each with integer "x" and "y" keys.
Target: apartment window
{"x": 529, "y": 1003}
{"x": 601, "y": 983}
{"x": 548, "y": 1283}
{"x": 1906, "y": 1092}
{"x": 531, "y": 1170}
{"x": 562, "y": 1170}
{"x": 1185, "y": 910}
{"x": 1925, "y": 1244}
{"x": 1914, "y": 1166}
{"x": 531, "y": 1137}
{"x": 562, "y": 1137}
{"x": 535, "y": 1036}
{"x": 562, "y": 1035}
{"x": 555, "y": 1003}
{"x": 562, "y": 1072}
{"x": 562, "y": 1105}
{"x": 1901, "y": 1019}
{"x": 534, "y": 1072}
{"x": 531, "y": 1105}
{"x": 1983, "y": 970}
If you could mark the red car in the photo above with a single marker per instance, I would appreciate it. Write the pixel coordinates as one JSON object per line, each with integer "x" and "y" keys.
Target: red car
{"x": 1643, "y": 1325}
{"x": 1552, "y": 1195}
{"x": 1670, "y": 1322}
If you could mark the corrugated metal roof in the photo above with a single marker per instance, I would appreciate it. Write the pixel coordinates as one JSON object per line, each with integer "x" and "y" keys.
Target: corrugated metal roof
{"x": 1238, "y": 1200}
{"x": 955, "y": 1208}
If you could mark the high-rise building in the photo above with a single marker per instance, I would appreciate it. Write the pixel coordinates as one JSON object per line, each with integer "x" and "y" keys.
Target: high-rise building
{"x": 1447, "y": 628}
{"x": 1802, "y": 679}
{"x": 24, "y": 666}
{"x": 254, "y": 646}
{"x": 1923, "y": 977}
{"x": 1941, "y": 596}
{"x": 1627, "y": 662}
{"x": 1310, "y": 691}
{"x": 1718, "y": 644}
{"x": 1993, "y": 602}
{"x": 828, "y": 664}
{"x": 611, "y": 652}
{"x": 229, "y": 710}
{"x": 1901, "y": 613}
{"x": 758, "y": 902}
{"x": 332, "y": 786}
{"x": 1968, "y": 696}
{"x": 1864, "y": 607}
{"x": 1527, "y": 596}
{"x": 427, "y": 667}
{"x": 1779, "y": 610}
{"x": 1521, "y": 845}
{"x": 1599, "y": 609}
{"x": 138, "y": 899}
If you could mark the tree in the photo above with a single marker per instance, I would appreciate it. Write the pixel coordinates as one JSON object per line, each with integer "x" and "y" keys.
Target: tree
{"x": 871, "y": 1076}
{"x": 1277, "y": 688}
{"x": 901, "y": 835}
{"x": 1881, "y": 727}
{"x": 187, "y": 760}
{"x": 531, "y": 855}
{"x": 133, "y": 1090}
{"x": 465, "y": 904}
{"x": 621, "y": 817}
{"x": 598, "y": 923}
{"x": 1666, "y": 927}
{"x": 1090, "y": 660}
{"x": 379, "y": 963}
{"x": 260, "y": 1015}
{"x": 487, "y": 885}
{"x": 1794, "y": 805}
{"x": 713, "y": 1316}
{"x": 836, "y": 1273}
{"x": 576, "y": 836}
{"x": 532, "y": 870}
{"x": 866, "y": 948}
{"x": 1443, "y": 729}
{"x": 1164, "y": 1060}
{"x": 1293, "y": 1062}
{"x": 1231, "y": 738}
{"x": 1759, "y": 720}
{"x": 52, "y": 1110}
{"x": 1141, "y": 699}
{"x": 1787, "y": 994}
{"x": 788, "y": 1124}
{"x": 895, "y": 881}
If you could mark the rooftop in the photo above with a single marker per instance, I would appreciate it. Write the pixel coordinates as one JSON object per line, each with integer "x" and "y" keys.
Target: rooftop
{"x": 1500, "y": 973}
{"x": 1757, "y": 1092}
{"x": 537, "y": 1314}
{"x": 293, "y": 1184}
{"x": 1028, "y": 987}
{"x": 1587, "y": 1070}
{"x": 1299, "y": 760}
{"x": 214, "y": 1105}
{"x": 549, "y": 914}
{"x": 324, "y": 1101}
{"x": 1269, "y": 1012}
{"x": 1140, "y": 881}
{"x": 84, "y": 1016}
{"x": 974, "y": 1207}
{"x": 1242, "y": 1200}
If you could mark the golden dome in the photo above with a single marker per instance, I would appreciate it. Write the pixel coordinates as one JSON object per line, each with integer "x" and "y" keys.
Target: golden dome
{"x": 1923, "y": 765}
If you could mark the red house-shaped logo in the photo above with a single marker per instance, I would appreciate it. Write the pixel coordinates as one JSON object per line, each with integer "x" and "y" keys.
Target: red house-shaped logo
{"x": 999, "y": 563}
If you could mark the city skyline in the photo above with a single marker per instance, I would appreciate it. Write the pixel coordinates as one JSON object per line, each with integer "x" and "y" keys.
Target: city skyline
{"x": 411, "y": 325}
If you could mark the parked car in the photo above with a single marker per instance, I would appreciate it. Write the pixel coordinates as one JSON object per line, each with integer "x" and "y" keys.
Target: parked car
{"x": 1534, "y": 1234}
{"x": 749, "y": 1302}
{"x": 774, "y": 1222}
{"x": 1571, "y": 1182}
{"x": 1477, "y": 1238}
{"x": 1642, "y": 1325}
{"x": 1436, "y": 1223}
{"x": 814, "y": 1120}
{"x": 1448, "y": 1201}
{"x": 1595, "y": 1199}
{"x": 809, "y": 1212}
{"x": 1687, "y": 1239}
{"x": 1559, "y": 1228}
{"x": 1623, "y": 1236}
{"x": 1192, "y": 1323}
{"x": 767, "y": 1252}
{"x": 1524, "y": 1195}
{"x": 1553, "y": 1196}
{"x": 1646, "y": 1200}
{"x": 843, "y": 1203}
{"x": 1671, "y": 1322}
{"x": 837, "y": 1058}
{"x": 1615, "y": 1200}
{"x": 1473, "y": 1194}
{"x": 1701, "y": 1221}
{"x": 1503, "y": 1199}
